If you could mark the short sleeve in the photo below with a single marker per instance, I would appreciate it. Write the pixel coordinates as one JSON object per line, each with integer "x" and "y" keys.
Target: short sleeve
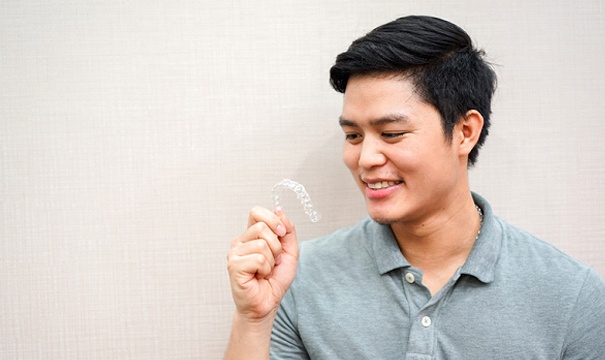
{"x": 586, "y": 332}
{"x": 286, "y": 343}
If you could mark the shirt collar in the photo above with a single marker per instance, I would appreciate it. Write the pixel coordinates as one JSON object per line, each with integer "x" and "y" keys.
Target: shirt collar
{"x": 381, "y": 243}
{"x": 486, "y": 251}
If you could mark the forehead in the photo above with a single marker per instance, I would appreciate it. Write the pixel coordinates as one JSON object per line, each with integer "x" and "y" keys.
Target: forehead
{"x": 368, "y": 98}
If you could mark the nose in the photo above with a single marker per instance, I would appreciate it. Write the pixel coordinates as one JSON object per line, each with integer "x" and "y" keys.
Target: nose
{"x": 371, "y": 154}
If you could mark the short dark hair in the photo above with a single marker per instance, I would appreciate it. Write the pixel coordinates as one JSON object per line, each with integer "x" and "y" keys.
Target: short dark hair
{"x": 439, "y": 58}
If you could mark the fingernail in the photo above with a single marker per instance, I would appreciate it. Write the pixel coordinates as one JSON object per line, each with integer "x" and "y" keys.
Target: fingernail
{"x": 281, "y": 230}
{"x": 278, "y": 259}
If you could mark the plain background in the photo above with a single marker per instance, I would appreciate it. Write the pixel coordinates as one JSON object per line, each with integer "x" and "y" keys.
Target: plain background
{"x": 136, "y": 135}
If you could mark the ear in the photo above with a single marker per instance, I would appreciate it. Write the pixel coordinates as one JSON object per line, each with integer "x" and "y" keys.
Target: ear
{"x": 468, "y": 131}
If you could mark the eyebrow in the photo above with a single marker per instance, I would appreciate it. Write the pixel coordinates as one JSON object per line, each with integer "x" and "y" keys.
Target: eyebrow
{"x": 390, "y": 119}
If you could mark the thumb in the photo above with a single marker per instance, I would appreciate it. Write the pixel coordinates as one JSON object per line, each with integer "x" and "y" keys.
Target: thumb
{"x": 289, "y": 241}
{"x": 285, "y": 265}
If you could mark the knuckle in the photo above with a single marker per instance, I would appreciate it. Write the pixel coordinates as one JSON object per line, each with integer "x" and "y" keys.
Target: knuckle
{"x": 258, "y": 246}
{"x": 260, "y": 260}
{"x": 259, "y": 227}
{"x": 230, "y": 267}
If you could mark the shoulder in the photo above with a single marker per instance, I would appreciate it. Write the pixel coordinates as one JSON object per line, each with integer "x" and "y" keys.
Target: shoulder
{"x": 340, "y": 243}
{"x": 525, "y": 249}
{"x": 343, "y": 255}
{"x": 546, "y": 270}
{"x": 519, "y": 253}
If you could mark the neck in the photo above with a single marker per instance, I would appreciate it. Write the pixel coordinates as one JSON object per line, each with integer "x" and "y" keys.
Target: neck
{"x": 441, "y": 240}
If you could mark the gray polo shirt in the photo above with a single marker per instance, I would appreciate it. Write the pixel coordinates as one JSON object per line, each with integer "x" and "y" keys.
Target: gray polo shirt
{"x": 356, "y": 297}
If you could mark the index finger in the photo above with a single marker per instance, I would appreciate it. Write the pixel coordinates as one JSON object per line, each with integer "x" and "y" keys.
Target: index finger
{"x": 261, "y": 214}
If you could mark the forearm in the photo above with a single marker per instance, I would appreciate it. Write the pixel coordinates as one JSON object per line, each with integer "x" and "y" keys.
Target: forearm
{"x": 250, "y": 340}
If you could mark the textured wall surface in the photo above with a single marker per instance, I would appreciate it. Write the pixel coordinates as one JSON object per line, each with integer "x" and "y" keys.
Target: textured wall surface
{"x": 135, "y": 136}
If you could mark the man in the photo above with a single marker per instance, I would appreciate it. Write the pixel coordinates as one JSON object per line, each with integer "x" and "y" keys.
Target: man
{"x": 433, "y": 274}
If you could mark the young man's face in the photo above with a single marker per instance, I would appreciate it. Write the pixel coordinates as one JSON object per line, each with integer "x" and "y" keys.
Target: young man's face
{"x": 396, "y": 150}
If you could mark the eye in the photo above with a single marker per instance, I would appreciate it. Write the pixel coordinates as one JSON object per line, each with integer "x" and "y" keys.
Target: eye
{"x": 353, "y": 137}
{"x": 393, "y": 135}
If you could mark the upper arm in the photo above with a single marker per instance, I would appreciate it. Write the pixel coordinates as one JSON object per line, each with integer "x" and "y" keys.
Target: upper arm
{"x": 286, "y": 342}
{"x": 586, "y": 328}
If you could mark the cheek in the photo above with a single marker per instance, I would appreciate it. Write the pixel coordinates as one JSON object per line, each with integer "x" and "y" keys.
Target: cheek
{"x": 403, "y": 158}
{"x": 350, "y": 156}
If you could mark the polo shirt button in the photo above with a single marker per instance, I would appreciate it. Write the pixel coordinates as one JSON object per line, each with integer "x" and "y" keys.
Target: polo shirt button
{"x": 409, "y": 277}
{"x": 426, "y": 321}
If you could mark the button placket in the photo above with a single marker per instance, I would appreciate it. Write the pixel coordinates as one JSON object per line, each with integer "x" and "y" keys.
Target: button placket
{"x": 422, "y": 335}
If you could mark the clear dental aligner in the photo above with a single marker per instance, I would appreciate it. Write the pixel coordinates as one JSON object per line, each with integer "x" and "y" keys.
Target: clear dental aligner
{"x": 301, "y": 194}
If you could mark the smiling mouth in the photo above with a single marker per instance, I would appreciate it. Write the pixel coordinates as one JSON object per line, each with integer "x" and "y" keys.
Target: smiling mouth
{"x": 383, "y": 184}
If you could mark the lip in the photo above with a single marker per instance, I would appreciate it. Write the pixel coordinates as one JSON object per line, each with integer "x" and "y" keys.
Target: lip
{"x": 376, "y": 194}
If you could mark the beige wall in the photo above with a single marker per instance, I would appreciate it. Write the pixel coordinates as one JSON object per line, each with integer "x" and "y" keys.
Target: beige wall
{"x": 135, "y": 136}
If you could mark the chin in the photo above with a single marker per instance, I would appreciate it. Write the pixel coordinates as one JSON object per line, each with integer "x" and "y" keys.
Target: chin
{"x": 384, "y": 211}
{"x": 382, "y": 219}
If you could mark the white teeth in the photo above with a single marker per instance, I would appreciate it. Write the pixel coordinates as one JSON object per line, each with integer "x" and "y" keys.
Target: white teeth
{"x": 383, "y": 184}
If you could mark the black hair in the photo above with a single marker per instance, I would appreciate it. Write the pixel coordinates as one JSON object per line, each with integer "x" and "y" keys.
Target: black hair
{"x": 439, "y": 58}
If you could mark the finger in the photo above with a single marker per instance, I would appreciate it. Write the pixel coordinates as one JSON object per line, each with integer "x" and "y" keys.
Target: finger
{"x": 289, "y": 242}
{"x": 260, "y": 231}
{"x": 252, "y": 257}
{"x": 288, "y": 225}
{"x": 258, "y": 246}
{"x": 260, "y": 214}
{"x": 244, "y": 268}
